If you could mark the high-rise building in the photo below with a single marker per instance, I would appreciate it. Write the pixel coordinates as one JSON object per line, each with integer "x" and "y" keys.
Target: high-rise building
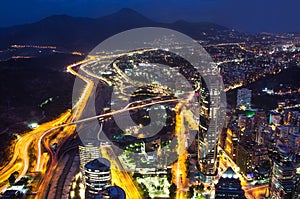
{"x": 231, "y": 143}
{"x": 260, "y": 154}
{"x": 291, "y": 117}
{"x": 244, "y": 159}
{"x": 284, "y": 130}
{"x": 209, "y": 128}
{"x": 297, "y": 177}
{"x": 229, "y": 186}
{"x": 252, "y": 159}
{"x": 294, "y": 141}
{"x": 282, "y": 182}
{"x": 275, "y": 118}
{"x": 247, "y": 136}
{"x": 244, "y": 98}
{"x": 260, "y": 119}
{"x": 97, "y": 177}
{"x": 88, "y": 153}
{"x": 245, "y": 122}
{"x": 261, "y": 134}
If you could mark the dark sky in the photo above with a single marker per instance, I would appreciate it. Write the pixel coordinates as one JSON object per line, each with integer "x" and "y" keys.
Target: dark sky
{"x": 243, "y": 15}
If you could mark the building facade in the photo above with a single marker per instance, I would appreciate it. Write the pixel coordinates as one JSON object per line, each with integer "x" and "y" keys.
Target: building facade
{"x": 97, "y": 177}
{"x": 282, "y": 182}
{"x": 229, "y": 186}
{"x": 244, "y": 98}
{"x": 209, "y": 129}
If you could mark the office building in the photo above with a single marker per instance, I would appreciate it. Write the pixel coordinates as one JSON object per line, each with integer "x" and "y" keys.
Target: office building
{"x": 282, "y": 182}
{"x": 229, "y": 186}
{"x": 209, "y": 129}
{"x": 88, "y": 153}
{"x": 97, "y": 177}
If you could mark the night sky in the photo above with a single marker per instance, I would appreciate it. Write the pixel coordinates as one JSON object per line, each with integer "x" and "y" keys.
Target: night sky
{"x": 243, "y": 15}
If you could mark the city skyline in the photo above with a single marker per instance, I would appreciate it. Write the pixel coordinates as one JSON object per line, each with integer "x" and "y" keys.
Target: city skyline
{"x": 125, "y": 107}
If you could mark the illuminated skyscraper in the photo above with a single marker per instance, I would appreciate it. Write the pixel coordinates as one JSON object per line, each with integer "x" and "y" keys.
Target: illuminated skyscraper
{"x": 97, "y": 177}
{"x": 208, "y": 128}
{"x": 297, "y": 176}
{"x": 88, "y": 153}
{"x": 283, "y": 174}
{"x": 229, "y": 186}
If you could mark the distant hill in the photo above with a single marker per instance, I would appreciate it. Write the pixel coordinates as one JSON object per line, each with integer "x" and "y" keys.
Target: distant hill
{"x": 83, "y": 34}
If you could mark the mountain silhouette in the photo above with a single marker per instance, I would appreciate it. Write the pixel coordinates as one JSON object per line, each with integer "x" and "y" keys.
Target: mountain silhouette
{"x": 83, "y": 34}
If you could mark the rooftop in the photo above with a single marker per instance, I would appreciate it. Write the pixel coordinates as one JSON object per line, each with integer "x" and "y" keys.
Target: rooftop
{"x": 98, "y": 164}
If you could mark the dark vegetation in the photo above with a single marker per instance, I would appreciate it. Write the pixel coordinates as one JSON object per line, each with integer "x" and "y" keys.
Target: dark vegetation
{"x": 25, "y": 85}
{"x": 287, "y": 79}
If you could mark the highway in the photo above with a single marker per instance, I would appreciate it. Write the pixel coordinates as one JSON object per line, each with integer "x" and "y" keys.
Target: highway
{"x": 38, "y": 140}
{"x": 179, "y": 169}
{"x": 20, "y": 161}
{"x": 119, "y": 175}
{"x": 35, "y": 141}
{"x": 68, "y": 130}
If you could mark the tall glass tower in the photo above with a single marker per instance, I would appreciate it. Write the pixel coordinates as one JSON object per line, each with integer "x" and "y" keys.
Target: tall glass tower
{"x": 209, "y": 128}
{"x": 283, "y": 173}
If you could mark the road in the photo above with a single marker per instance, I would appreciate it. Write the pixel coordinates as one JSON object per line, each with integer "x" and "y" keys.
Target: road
{"x": 119, "y": 175}
{"x": 179, "y": 169}
{"x": 35, "y": 141}
{"x": 39, "y": 139}
{"x": 251, "y": 192}
{"x": 27, "y": 142}
{"x": 68, "y": 130}
{"x": 78, "y": 110}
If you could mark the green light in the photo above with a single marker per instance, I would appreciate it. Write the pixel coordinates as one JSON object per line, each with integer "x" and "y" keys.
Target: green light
{"x": 33, "y": 125}
{"x": 250, "y": 113}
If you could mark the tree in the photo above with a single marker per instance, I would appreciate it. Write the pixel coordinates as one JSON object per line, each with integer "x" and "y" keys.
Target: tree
{"x": 137, "y": 175}
{"x": 172, "y": 190}
{"x": 169, "y": 177}
{"x": 191, "y": 192}
{"x": 145, "y": 191}
{"x": 12, "y": 179}
{"x": 200, "y": 187}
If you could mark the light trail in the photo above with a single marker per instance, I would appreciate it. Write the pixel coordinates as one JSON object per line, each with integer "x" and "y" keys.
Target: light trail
{"x": 179, "y": 168}
{"x": 250, "y": 191}
{"x": 119, "y": 174}
{"x": 37, "y": 138}
{"x": 79, "y": 107}
{"x": 20, "y": 161}
{"x": 77, "y": 112}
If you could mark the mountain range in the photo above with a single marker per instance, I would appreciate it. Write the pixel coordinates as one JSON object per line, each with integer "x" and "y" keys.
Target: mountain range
{"x": 83, "y": 34}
